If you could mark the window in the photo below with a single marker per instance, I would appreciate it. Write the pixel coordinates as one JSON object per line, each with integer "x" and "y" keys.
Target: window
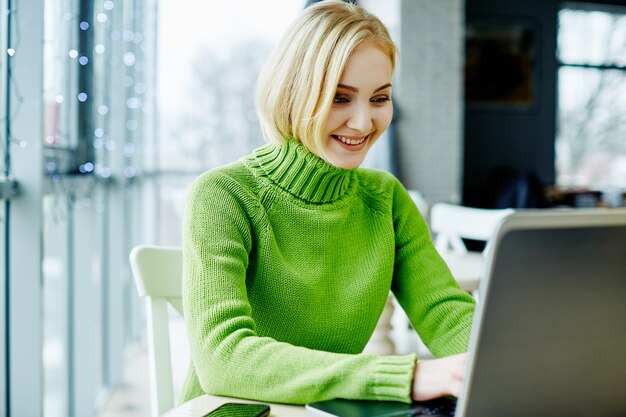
{"x": 68, "y": 46}
{"x": 590, "y": 145}
{"x": 209, "y": 57}
{"x": 98, "y": 70}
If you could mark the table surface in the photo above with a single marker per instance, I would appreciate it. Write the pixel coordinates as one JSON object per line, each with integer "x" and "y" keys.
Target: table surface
{"x": 199, "y": 407}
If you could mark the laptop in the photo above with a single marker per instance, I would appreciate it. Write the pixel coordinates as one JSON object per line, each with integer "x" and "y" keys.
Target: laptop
{"x": 549, "y": 332}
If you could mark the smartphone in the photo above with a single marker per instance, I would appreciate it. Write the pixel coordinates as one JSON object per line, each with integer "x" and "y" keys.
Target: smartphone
{"x": 240, "y": 410}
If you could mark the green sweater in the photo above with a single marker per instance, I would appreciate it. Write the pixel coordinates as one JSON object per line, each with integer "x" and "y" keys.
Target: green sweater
{"x": 287, "y": 265}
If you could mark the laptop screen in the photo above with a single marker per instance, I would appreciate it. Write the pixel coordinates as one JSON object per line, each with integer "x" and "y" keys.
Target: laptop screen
{"x": 549, "y": 335}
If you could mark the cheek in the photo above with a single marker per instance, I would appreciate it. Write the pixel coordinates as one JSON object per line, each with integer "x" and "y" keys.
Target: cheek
{"x": 335, "y": 119}
{"x": 383, "y": 117}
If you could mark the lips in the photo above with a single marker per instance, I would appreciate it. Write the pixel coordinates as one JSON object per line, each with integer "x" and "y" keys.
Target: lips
{"x": 350, "y": 140}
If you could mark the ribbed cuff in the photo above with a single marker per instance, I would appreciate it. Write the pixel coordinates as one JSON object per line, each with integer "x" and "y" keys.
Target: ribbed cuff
{"x": 391, "y": 377}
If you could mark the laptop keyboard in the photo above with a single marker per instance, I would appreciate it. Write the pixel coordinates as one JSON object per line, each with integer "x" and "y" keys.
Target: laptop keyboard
{"x": 443, "y": 407}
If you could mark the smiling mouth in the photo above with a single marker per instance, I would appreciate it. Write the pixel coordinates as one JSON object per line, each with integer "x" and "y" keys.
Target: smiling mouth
{"x": 350, "y": 141}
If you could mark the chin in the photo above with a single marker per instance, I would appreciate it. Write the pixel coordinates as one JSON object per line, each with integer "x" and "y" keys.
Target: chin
{"x": 345, "y": 163}
{"x": 340, "y": 158}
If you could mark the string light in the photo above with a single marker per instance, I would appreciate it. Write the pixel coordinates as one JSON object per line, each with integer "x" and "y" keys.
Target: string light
{"x": 105, "y": 172}
{"x": 131, "y": 125}
{"x": 129, "y": 149}
{"x": 86, "y": 167}
{"x": 130, "y": 172}
{"x": 134, "y": 98}
{"x": 129, "y": 59}
{"x": 133, "y": 103}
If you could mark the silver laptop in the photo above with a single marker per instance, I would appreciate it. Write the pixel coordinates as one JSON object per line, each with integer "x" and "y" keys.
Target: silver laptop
{"x": 549, "y": 332}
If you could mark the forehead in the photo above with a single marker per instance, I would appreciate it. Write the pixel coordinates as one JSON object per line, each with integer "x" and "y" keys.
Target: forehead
{"x": 368, "y": 65}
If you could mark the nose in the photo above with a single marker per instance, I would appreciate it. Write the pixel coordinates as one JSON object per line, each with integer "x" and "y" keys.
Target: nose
{"x": 360, "y": 118}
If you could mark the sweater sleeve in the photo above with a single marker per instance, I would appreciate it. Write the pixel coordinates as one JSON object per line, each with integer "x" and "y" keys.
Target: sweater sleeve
{"x": 228, "y": 356}
{"x": 439, "y": 310}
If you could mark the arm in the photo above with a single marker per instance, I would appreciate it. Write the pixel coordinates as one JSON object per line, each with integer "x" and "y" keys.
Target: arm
{"x": 227, "y": 354}
{"x": 439, "y": 310}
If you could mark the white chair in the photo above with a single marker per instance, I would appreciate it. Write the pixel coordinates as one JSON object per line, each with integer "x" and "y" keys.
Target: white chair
{"x": 420, "y": 201}
{"x": 157, "y": 273}
{"x": 450, "y": 224}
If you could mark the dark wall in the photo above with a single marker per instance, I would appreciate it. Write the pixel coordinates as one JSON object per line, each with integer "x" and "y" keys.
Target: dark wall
{"x": 520, "y": 138}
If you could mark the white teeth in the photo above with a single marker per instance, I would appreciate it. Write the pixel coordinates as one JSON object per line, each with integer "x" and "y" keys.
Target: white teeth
{"x": 350, "y": 141}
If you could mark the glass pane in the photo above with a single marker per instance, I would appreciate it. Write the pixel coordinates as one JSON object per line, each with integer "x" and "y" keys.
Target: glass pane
{"x": 172, "y": 191}
{"x": 207, "y": 76}
{"x": 61, "y": 59}
{"x": 206, "y": 83}
{"x": 88, "y": 321}
{"x": 97, "y": 283}
{"x": 592, "y": 37}
{"x": 4, "y": 60}
{"x": 3, "y": 92}
{"x": 102, "y": 60}
{"x": 94, "y": 206}
{"x": 3, "y": 278}
{"x": 590, "y": 147}
{"x": 55, "y": 305}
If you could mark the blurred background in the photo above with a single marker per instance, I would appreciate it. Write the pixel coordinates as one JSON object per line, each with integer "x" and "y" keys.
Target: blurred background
{"x": 110, "y": 108}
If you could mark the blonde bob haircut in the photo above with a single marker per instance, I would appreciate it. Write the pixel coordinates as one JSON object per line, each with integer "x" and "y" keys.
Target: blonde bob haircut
{"x": 297, "y": 86}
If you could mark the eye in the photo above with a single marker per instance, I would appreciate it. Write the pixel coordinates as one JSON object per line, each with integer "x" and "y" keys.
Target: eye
{"x": 380, "y": 99}
{"x": 341, "y": 100}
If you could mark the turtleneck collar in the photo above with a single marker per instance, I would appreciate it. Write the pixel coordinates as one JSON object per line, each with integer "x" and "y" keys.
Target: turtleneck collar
{"x": 302, "y": 173}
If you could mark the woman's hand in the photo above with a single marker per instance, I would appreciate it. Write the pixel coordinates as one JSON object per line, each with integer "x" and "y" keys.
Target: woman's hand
{"x": 438, "y": 377}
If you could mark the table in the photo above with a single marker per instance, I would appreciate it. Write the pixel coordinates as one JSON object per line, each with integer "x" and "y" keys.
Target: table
{"x": 200, "y": 406}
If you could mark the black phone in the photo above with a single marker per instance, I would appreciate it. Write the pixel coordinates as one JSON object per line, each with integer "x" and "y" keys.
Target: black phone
{"x": 240, "y": 410}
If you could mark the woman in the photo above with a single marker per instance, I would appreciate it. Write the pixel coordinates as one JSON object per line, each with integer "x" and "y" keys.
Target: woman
{"x": 290, "y": 253}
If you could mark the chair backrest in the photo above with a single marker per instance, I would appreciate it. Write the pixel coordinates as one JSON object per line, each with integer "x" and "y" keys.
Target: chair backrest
{"x": 420, "y": 201}
{"x": 451, "y": 223}
{"x": 157, "y": 272}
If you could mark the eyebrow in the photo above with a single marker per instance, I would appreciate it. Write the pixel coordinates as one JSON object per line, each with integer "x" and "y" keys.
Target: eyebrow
{"x": 356, "y": 90}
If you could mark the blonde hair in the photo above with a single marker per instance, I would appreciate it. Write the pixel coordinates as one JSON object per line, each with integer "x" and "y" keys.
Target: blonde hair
{"x": 297, "y": 85}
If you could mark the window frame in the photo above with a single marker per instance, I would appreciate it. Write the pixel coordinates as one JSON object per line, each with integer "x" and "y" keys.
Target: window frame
{"x": 614, "y": 7}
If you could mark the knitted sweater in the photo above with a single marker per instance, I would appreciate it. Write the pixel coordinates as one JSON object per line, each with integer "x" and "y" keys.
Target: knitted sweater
{"x": 287, "y": 264}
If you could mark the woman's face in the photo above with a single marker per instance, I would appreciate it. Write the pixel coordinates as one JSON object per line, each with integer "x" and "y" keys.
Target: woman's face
{"x": 361, "y": 109}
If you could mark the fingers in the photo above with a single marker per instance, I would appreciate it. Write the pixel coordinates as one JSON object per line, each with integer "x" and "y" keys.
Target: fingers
{"x": 439, "y": 377}
{"x": 458, "y": 370}
{"x": 455, "y": 387}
